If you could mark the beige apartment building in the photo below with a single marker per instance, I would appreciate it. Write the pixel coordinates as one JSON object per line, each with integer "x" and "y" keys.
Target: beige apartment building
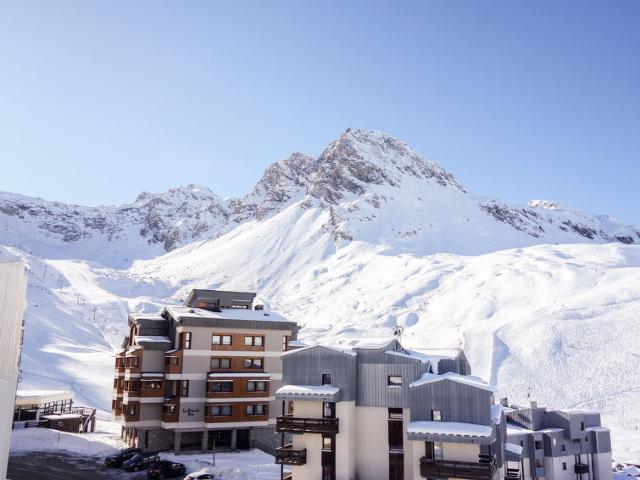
{"x": 202, "y": 376}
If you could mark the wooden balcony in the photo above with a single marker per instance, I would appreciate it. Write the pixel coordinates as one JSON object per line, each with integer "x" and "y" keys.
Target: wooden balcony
{"x": 430, "y": 468}
{"x": 292, "y": 424}
{"x": 288, "y": 455}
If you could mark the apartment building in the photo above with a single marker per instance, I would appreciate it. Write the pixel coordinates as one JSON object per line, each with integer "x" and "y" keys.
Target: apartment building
{"x": 380, "y": 411}
{"x": 557, "y": 444}
{"x": 13, "y": 291}
{"x": 202, "y": 376}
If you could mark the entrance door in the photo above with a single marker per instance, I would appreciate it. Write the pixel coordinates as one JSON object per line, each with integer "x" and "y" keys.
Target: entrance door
{"x": 243, "y": 439}
{"x": 396, "y": 466}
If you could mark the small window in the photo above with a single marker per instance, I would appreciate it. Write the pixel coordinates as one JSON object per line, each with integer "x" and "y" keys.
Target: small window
{"x": 327, "y": 443}
{"x": 285, "y": 343}
{"x": 184, "y": 390}
{"x": 170, "y": 409}
{"x": 394, "y": 381}
{"x": 553, "y": 441}
{"x": 186, "y": 342}
{"x": 326, "y": 379}
{"x": 563, "y": 448}
{"x": 581, "y": 425}
{"x": 538, "y": 444}
{"x": 436, "y": 415}
{"x": 564, "y": 465}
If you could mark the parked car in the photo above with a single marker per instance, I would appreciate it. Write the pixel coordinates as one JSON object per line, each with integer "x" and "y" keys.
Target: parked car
{"x": 166, "y": 469}
{"x": 118, "y": 458}
{"x": 140, "y": 461}
{"x": 200, "y": 475}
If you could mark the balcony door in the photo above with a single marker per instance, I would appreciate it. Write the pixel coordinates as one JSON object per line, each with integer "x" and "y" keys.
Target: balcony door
{"x": 328, "y": 458}
{"x": 396, "y": 466}
{"x": 328, "y": 410}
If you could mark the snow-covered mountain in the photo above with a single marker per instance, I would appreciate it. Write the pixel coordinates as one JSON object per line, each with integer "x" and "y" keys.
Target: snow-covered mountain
{"x": 367, "y": 235}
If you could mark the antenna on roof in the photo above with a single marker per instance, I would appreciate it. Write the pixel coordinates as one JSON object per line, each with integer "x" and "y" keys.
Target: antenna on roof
{"x": 529, "y": 391}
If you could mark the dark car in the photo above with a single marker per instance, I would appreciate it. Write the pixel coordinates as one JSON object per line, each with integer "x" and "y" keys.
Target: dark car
{"x": 166, "y": 469}
{"x": 140, "y": 461}
{"x": 118, "y": 458}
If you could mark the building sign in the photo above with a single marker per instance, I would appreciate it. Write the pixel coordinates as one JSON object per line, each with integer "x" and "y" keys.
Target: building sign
{"x": 190, "y": 411}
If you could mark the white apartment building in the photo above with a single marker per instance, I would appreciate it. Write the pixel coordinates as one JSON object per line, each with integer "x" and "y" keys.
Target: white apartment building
{"x": 13, "y": 291}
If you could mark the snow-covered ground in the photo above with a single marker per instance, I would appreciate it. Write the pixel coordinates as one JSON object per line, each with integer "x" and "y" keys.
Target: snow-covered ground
{"x": 543, "y": 298}
{"x": 242, "y": 465}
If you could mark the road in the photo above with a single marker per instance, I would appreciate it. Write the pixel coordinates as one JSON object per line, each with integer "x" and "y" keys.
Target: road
{"x": 60, "y": 466}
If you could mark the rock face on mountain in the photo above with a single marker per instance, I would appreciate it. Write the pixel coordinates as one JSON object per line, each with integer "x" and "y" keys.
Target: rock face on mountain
{"x": 373, "y": 187}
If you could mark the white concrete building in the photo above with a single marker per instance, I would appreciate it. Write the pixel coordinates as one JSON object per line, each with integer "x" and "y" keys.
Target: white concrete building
{"x": 13, "y": 291}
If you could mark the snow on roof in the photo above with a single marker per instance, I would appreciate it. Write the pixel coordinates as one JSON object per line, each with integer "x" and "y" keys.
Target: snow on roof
{"x": 449, "y": 428}
{"x": 302, "y": 390}
{"x": 153, "y": 338}
{"x": 597, "y": 429}
{"x": 179, "y": 312}
{"x": 146, "y": 316}
{"x": 466, "y": 379}
{"x": 373, "y": 343}
{"x": 33, "y": 397}
{"x": 513, "y": 448}
{"x": 296, "y": 343}
{"x": 152, "y": 374}
{"x": 440, "y": 352}
{"x": 496, "y": 412}
{"x": 516, "y": 429}
{"x": 63, "y": 416}
{"x": 347, "y": 351}
{"x": 240, "y": 375}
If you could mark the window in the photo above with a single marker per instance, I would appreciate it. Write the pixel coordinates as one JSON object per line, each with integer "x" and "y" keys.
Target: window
{"x": 290, "y": 408}
{"x": 222, "y": 387}
{"x": 151, "y": 385}
{"x": 253, "y": 341}
{"x": 186, "y": 340}
{"x": 256, "y": 386}
{"x": 564, "y": 465}
{"x": 326, "y": 379}
{"x": 221, "y": 411}
{"x": 539, "y": 463}
{"x": 171, "y": 361}
{"x": 253, "y": 363}
{"x": 563, "y": 448}
{"x": 169, "y": 409}
{"x": 394, "y": 381}
{"x": 221, "y": 340}
{"x": 328, "y": 410}
{"x": 285, "y": 343}
{"x": 261, "y": 409}
{"x": 220, "y": 363}
{"x": 553, "y": 441}
{"x": 395, "y": 414}
{"x": 184, "y": 390}
{"x": 538, "y": 444}
{"x": 436, "y": 415}
{"x": 327, "y": 443}
{"x": 132, "y": 409}
{"x": 249, "y": 409}
{"x": 135, "y": 362}
{"x": 581, "y": 425}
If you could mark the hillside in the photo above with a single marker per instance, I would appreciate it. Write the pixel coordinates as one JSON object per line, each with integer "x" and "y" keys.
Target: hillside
{"x": 367, "y": 235}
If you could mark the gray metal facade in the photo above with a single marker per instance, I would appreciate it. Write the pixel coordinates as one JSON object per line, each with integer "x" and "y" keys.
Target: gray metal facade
{"x": 306, "y": 366}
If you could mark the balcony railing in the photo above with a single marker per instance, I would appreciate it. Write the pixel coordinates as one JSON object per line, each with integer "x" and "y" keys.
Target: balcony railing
{"x": 288, "y": 455}
{"x": 430, "y": 468}
{"x": 512, "y": 474}
{"x": 581, "y": 468}
{"x": 292, "y": 424}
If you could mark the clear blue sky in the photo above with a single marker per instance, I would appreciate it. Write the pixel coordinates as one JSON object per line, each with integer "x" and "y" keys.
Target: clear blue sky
{"x": 519, "y": 99}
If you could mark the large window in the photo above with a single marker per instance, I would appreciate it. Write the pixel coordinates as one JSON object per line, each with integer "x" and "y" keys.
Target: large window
{"x": 256, "y": 409}
{"x": 256, "y": 386}
{"x": 225, "y": 386}
{"x": 254, "y": 341}
{"x": 220, "y": 363}
{"x": 221, "y": 340}
{"x": 221, "y": 410}
{"x": 252, "y": 363}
